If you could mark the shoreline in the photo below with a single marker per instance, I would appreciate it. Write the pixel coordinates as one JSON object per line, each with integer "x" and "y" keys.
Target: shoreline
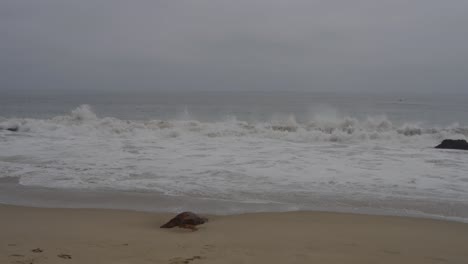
{"x": 13, "y": 193}
{"x": 121, "y": 236}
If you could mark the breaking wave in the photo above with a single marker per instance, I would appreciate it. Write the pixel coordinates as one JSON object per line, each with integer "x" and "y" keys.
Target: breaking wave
{"x": 285, "y": 162}
{"x": 83, "y": 121}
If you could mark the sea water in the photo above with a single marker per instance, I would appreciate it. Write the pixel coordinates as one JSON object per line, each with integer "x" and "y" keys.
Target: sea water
{"x": 234, "y": 152}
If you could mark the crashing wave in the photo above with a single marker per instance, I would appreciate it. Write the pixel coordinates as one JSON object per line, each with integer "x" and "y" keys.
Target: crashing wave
{"x": 83, "y": 121}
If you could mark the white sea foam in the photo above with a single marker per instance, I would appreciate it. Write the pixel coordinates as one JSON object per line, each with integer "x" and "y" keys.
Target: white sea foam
{"x": 282, "y": 161}
{"x": 319, "y": 128}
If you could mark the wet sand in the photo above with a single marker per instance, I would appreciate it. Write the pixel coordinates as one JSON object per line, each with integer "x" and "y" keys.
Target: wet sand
{"x": 41, "y": 235}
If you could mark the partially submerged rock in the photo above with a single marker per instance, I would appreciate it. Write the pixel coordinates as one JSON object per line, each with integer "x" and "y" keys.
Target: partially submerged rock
{"x": 12, "y": 128}
{"x": 185, "y": 220}
{"x": 453, "y": 144}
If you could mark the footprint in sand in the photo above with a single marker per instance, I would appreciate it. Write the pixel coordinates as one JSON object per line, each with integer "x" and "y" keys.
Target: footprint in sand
{"x": 391, "y": 252}
{"x": 64, "y": 256}
{"x": 208, "y": 247}
{"x": 30, "y": 260}
{"x": 184, "y": 261}
{"x": 438, "y": 260}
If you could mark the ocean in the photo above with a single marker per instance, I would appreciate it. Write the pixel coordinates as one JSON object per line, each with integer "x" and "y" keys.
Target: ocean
{"x": 235, "y": 152}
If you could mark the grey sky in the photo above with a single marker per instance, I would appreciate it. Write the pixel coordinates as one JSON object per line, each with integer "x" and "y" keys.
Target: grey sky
{"x": 316, "y": 45}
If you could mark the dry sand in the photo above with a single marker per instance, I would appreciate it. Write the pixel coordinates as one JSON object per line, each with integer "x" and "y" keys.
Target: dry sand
{"x": 108, "y": 236}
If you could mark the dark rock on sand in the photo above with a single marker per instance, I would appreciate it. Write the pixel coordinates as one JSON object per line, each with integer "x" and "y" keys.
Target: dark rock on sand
{"x": 453, "y": 144}
{"x": 185, "y": 220}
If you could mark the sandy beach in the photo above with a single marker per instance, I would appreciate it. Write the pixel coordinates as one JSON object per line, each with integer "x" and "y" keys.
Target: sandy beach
{"x": 39, "y": 235}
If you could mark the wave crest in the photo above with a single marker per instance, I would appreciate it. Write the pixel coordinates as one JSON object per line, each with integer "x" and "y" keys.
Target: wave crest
{"x": 83, "y": 113}
{"x": 83, "y": 121}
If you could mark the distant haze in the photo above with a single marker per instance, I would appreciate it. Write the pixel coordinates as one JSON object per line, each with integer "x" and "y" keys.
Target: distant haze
{"x": 319, "y": 45}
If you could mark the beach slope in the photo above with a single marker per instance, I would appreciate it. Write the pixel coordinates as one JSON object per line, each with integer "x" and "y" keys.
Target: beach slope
{"x": 40, "y": 235}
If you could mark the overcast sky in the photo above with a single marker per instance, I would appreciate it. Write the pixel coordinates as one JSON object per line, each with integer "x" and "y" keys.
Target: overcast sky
{"x": 311, "y": 45}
